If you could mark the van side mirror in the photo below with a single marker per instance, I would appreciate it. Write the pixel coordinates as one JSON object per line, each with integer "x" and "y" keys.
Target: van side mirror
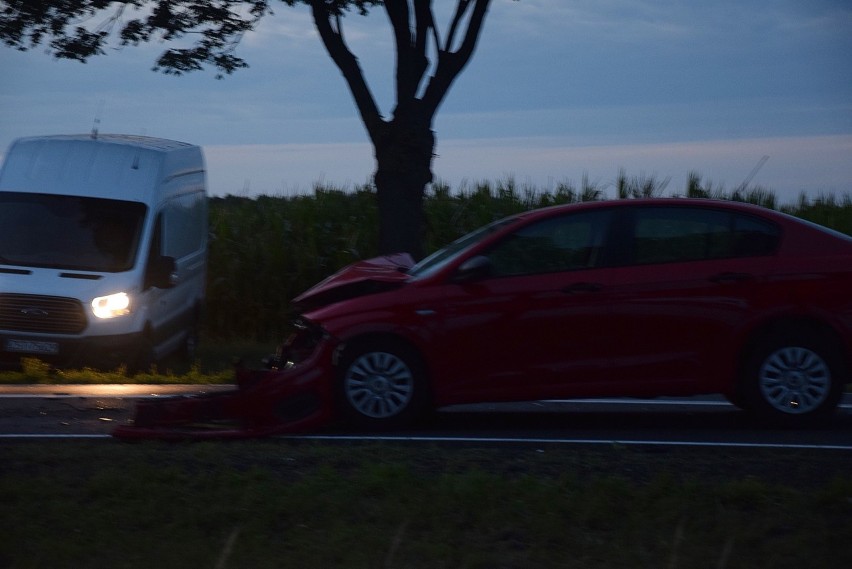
{"x": 162, "y": 272}
{"x": 473, "y": 269}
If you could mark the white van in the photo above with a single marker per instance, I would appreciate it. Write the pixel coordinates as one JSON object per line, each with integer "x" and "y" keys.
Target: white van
{"x": 103, "y": 249}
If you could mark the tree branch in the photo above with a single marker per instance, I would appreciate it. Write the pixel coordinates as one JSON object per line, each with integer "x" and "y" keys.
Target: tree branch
{"x": 412, "y": 61}
{"x": 450, "y": 63}
{"x": 461, "y": 8}
{"x": 25, "y": 24}
{"x": 348, "y": 64}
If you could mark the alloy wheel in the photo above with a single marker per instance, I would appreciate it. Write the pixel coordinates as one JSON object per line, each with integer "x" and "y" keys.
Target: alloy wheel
{"x": 379, "y": 385}
{"x": 795, "y": 380}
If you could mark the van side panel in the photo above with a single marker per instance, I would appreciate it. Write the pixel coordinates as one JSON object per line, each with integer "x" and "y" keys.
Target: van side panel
{"x": 184, "y": 238}
{"x": 168, "y": 177}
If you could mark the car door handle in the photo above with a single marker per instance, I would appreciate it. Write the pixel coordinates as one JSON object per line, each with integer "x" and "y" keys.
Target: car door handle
{"x": 582, "y": 287}
{"x": 731, "y": 277}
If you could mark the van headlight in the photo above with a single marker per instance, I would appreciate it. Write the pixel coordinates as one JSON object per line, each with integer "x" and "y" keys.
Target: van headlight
{"x": 111, "y": 306}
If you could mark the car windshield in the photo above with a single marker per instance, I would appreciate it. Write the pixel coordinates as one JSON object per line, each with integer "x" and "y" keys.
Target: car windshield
{"x": 442, "y": 257}
{"x": 69, "y": 232}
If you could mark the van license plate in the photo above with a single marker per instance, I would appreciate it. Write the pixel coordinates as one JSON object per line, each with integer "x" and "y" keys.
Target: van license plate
{"x": 32, "y": 347}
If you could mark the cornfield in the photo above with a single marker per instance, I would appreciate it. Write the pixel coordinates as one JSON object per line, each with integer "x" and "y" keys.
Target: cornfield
{"x": 266, "y": 250}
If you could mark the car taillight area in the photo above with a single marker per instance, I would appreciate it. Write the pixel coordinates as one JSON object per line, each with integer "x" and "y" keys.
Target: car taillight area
{"x": 299, "y": 346}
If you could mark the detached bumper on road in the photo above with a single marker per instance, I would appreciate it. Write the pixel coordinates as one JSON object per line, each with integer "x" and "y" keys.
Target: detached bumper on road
{"x": 264, "y": 403}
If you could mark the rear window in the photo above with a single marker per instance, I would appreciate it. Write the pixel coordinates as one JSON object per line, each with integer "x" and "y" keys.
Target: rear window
{"x": 676, "y": 234}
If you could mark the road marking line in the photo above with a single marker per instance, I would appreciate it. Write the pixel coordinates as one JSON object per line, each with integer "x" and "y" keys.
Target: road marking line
{"x": 52, "y": 436}
{"x": 385, "y": 438}
{"x": 501, "y": 440}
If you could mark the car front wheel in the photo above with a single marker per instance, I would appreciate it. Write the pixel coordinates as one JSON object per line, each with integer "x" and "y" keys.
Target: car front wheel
{"x": 793, "y": 378}
{"x": 381, "y": 386}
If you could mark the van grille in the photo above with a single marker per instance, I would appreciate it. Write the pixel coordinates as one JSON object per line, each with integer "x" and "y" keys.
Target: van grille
{"x": 44, "y": 314}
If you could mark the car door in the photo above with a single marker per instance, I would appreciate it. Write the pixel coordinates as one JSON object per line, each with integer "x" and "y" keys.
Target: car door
{"x": 536, "y": 322}
{"x": 693, "y": 278}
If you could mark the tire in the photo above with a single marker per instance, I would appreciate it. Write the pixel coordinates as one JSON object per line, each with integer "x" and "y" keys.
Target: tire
{"x": 381, "y": 385}
{"x": 793, "y": 378}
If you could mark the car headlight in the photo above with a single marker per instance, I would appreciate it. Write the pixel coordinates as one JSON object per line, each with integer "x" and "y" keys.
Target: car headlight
{"x": 111, "y": 306}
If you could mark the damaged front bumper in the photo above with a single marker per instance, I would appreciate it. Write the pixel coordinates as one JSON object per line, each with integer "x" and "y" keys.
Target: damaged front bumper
{"x": 294, "y": 398}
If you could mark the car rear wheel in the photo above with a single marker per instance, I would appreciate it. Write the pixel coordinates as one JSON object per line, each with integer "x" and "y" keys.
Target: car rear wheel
{"x": 382, "y": 386}
{"x": 793, "y": 378}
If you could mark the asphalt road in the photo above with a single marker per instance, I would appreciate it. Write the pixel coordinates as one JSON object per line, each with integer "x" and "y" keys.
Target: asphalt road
{"x": 93, "y": 411}
{"x": 77, "y": 410}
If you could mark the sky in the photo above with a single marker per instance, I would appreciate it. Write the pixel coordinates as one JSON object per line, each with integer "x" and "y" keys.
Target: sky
{"x": 558, "y": 91}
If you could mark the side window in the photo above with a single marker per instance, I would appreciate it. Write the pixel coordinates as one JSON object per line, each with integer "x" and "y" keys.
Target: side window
{"x": 754, "y": 237}
{"x": 184, "y": 225}
{"x": 673, "y": 234}
{"x": 155, "y": 251}
{"x": 678, "y": 234}
{"x": 564, "y": 243}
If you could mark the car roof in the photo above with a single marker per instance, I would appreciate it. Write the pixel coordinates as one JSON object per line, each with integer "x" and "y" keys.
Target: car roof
{"x": 702, "y": 203}
{"x": 706, "y": 203}
{"x": 799, "y": 226}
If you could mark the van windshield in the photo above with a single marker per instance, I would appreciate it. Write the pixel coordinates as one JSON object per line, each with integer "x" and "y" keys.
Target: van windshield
{"x": 69, "y": 232}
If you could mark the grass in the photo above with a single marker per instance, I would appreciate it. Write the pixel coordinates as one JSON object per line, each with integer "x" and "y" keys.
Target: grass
{"x": 284, "y": 504}
{"x": 214, "y": 365}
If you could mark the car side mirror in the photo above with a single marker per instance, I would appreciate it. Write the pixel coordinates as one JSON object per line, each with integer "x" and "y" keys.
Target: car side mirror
{"x": 473, "y": 269}
{"x": 162, "y": 272}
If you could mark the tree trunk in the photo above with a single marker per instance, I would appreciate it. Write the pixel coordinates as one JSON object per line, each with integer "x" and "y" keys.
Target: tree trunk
{"x": 404, "y": 151}
{"x": 404, "y": 146}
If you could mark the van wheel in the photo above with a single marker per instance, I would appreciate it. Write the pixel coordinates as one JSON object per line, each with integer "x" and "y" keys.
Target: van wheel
{"x": 793, "y": 378}
{"x": 381, "y": 386}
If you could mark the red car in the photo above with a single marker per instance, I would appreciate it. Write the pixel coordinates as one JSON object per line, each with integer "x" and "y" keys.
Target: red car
{"x": 620, "y": 298}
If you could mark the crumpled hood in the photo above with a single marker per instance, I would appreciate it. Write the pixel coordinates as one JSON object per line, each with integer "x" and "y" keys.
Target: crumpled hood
{"x": 358, "y": 279}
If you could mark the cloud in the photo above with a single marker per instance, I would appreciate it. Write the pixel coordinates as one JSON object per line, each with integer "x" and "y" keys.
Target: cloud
{"x": 278, "y": 169}
{"x": 287, "y": 26}
{"x": 810, "y": 164}
{"x": 795, "y": 164}
{"x": 556, "y": 89}
{"x": 606, "y": 21}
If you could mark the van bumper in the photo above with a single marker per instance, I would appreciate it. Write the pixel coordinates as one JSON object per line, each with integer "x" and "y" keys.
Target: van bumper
{"x": 105, "y": 352}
